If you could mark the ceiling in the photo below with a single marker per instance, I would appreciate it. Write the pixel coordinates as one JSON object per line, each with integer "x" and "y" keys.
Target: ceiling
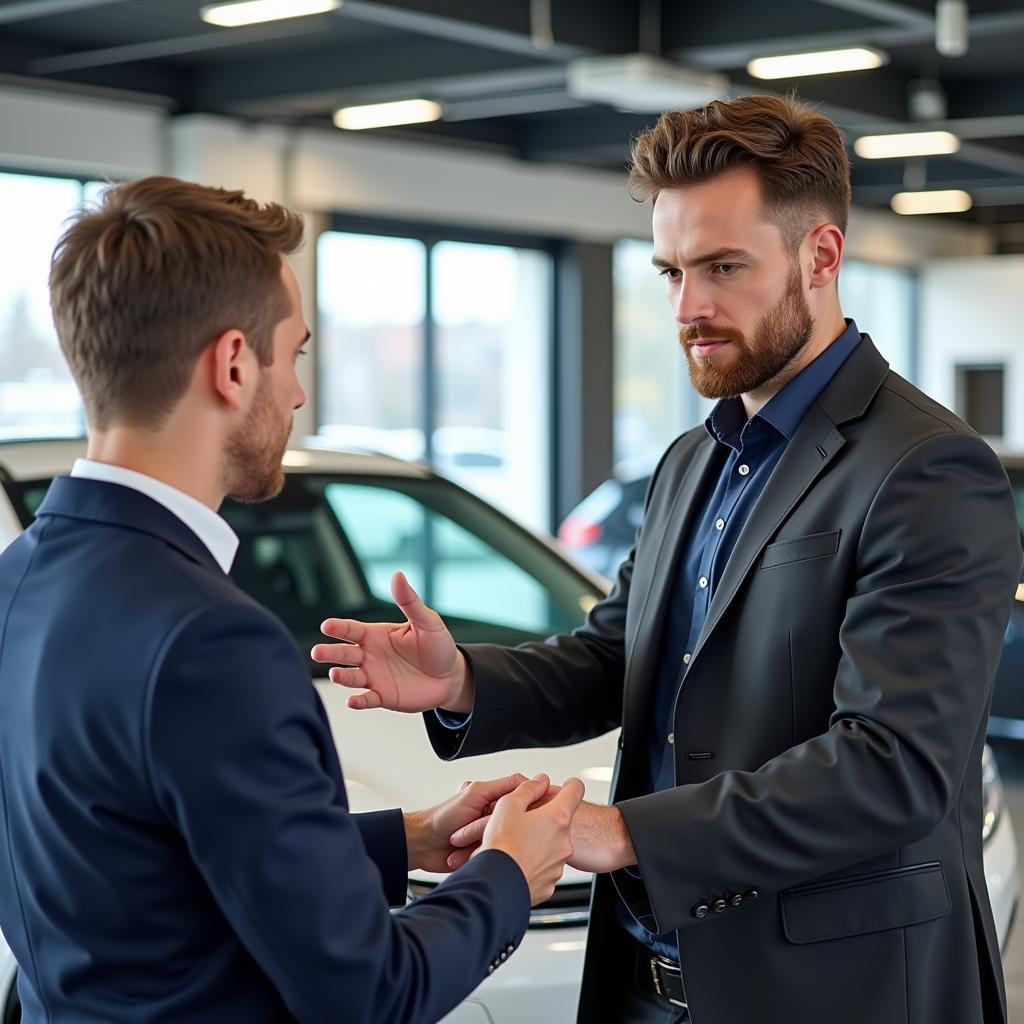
{"x": 501, "y": 75}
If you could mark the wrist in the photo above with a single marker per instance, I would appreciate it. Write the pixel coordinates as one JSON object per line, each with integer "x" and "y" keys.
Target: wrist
{"x": 461, "y": 697}
{"x": 623, "y": 853}
{"x": 415, "y": 838}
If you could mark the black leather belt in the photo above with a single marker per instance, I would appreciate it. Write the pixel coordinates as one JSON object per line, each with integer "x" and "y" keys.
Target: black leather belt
{"x": 665, "y": 979}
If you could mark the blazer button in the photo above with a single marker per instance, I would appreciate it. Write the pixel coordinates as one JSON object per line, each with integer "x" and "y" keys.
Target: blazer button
{"x": 699, "y": 911}
{"x": 750, "y": 895}
{"x": 490, "y": 968}
{"x": 510, "y": 949}
{"x": 735, "y": 899}
{"x": 719, "y": 905}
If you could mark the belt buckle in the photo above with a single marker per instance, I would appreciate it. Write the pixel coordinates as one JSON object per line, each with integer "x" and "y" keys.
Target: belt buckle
{"x": 657, "y": 966}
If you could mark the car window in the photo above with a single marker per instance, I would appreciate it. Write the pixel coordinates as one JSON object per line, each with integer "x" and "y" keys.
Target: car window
{"x": 456, "y": 572}
{"x": 329, "y": 543}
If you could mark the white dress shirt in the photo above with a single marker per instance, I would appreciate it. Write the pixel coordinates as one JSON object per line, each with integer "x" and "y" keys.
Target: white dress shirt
{"x": 209, "y": 527}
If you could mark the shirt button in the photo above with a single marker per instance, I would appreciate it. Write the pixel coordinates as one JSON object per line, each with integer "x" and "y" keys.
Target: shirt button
{"x": 719, "y": 524}
{"x": 686, "y": 659}
{"x": 703, "y": 581}
{"x": 743, "y": 470}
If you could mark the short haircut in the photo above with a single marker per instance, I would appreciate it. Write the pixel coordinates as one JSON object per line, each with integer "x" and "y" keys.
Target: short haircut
{"x": 797, "y": 154}
{"x": 143, "y": 282}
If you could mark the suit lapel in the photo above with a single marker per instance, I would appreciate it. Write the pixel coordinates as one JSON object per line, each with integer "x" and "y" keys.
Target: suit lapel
{"x": 673, "y": 521}
{"x": 815, "y": 444}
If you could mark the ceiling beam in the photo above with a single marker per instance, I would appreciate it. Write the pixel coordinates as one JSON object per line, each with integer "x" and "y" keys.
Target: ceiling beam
{"x": 472, "y": 33}
{"x": 30, "y": 9}
{"x": 737, "y": 53}
{"x": 156, "y": 48}
{"x": 886, "y": 11}
{"x": 311, "y": 81}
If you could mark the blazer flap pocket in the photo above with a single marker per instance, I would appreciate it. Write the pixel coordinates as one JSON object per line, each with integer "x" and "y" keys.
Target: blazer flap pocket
{"x": 814, "y": 545}
{"x": 870, "y": 903}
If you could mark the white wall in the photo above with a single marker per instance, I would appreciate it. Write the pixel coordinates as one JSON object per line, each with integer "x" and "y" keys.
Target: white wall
{"x": 972, "y": 312}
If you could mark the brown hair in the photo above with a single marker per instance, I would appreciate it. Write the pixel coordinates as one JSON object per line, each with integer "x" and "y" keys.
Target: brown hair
{"x": 141, "y": 284}
{"x": 798, "y": 155}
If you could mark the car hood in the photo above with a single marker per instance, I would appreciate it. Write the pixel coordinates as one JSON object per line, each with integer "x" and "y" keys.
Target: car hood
{"x": 388, "y": 761}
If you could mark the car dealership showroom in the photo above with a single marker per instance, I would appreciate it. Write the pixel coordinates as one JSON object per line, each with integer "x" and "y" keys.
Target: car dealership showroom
{"x": 498, "y": 395}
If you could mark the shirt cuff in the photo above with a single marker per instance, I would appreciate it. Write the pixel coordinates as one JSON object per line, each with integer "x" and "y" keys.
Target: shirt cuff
{"x": 450, "y": 720}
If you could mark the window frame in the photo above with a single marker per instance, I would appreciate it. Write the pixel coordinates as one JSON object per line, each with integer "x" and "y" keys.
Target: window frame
{"x": 429, "y": 234}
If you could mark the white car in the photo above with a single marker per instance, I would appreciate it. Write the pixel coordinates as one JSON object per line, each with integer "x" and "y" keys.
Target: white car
{"x": 328, "y": 546}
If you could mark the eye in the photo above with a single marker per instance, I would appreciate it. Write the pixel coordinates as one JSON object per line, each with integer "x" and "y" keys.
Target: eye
{"x": 726, "y": 269}
{"x": 671, "y": 273}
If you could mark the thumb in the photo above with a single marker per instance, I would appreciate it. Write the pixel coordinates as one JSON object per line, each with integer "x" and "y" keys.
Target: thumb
{"x": 570, "y": 795}
{"x": 410, "y": 602}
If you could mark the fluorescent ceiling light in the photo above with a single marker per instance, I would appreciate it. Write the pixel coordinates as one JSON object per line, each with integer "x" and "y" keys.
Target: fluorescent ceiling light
{"x": 252, "y": 12}
{"x": 882, "y": 147}
{"x": 641, "y": 83}
{"x": 950, "y": 200}
{"x": 818, "y": 62}
{"x": 383, "y": 115}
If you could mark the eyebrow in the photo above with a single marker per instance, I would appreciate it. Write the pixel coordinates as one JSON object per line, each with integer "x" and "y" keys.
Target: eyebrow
{"x": 718, "y": 256}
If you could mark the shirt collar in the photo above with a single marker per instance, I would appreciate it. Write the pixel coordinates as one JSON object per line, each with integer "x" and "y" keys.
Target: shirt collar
{"x": 209, "y": 527}
{"x": 786, "y": 409}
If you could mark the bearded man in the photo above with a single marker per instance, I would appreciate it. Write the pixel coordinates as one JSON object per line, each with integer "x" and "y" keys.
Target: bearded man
{"x": 800, "y": 648}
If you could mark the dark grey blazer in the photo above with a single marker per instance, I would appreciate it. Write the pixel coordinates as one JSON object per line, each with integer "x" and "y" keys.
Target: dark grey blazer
{"x": 829, "y": 733}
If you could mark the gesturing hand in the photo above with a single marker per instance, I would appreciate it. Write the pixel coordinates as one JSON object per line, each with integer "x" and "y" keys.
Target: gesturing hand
{"x": 414, "y": 666}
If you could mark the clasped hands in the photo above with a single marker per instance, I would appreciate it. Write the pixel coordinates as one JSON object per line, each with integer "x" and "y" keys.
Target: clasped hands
{"x": 416, "y": 666}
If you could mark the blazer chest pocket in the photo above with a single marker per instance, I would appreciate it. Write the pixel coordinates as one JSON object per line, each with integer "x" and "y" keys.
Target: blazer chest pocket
{"x": 814, "y": 545}
{"x": 870, "y": 903}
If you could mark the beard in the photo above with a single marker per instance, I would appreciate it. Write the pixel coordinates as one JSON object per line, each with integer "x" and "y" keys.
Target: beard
{"x": 252, "y": 469}
{"x": 778, "y": 339}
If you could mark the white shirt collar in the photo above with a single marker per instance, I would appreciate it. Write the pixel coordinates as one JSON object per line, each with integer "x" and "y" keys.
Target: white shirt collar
{"x": 209, "y": 527}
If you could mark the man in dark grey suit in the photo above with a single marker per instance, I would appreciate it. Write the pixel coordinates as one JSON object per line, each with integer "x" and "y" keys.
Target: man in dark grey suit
{"x": 799, "y": 649}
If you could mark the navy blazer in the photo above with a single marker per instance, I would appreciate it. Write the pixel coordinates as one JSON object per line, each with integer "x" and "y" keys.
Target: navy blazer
{"x": 176, "y": 843}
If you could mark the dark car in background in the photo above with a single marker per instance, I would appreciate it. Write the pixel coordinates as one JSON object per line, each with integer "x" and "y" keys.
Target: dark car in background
{"x": 600, "y": 532}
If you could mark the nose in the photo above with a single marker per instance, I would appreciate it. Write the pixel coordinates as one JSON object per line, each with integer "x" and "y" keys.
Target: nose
{"x": 691, "y": 301}
{"x": 300, "y": 397}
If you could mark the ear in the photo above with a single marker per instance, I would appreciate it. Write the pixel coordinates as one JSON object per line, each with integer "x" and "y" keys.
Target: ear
{"x": 234, "y": 368}
{"x": 826, "y": 254}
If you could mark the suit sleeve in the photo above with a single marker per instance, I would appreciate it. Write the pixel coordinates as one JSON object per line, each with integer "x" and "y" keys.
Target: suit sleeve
{"x": 383, "y": 834}
{"x": 937, "y": 565}
{"x": 242, "y": 761}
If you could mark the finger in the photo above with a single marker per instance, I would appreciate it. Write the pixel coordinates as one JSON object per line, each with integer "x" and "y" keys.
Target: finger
{"x": 344, "y": 629}
{"x": 363, "y": 701}
{"x": 460, "y": 857}
{"x": 571, "y": 795}
{"x": 492, "y": 790}
{"x": 411, "y": 604}
{"x": 527, "y": 792}
{"x": 338, "y": 654}
{"x": 353, "y": 678}
{"x": 471, "y": 834}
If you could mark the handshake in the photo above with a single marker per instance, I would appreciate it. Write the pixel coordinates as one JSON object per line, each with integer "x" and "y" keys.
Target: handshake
{"x": 528, "y": 819}
{"x": 416, "y": 666}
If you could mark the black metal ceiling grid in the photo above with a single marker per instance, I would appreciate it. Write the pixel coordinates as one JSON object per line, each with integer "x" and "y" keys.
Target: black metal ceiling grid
{"x": 503, "y": 91}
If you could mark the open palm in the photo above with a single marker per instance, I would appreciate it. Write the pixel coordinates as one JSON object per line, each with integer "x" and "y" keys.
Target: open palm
{"x": 413, "y": 666}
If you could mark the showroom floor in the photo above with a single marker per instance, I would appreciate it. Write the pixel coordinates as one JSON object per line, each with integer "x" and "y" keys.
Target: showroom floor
{"x": 1010, "y": 758}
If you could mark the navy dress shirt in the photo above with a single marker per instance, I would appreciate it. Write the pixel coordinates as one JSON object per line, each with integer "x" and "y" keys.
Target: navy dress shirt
{"x": 753, "y": 449}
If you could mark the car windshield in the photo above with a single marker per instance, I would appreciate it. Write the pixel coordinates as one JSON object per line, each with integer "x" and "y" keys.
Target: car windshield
{"x": 329, "y": 543}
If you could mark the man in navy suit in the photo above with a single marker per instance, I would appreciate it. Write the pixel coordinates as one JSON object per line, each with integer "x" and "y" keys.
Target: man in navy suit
{"x": 176, "y": 843}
